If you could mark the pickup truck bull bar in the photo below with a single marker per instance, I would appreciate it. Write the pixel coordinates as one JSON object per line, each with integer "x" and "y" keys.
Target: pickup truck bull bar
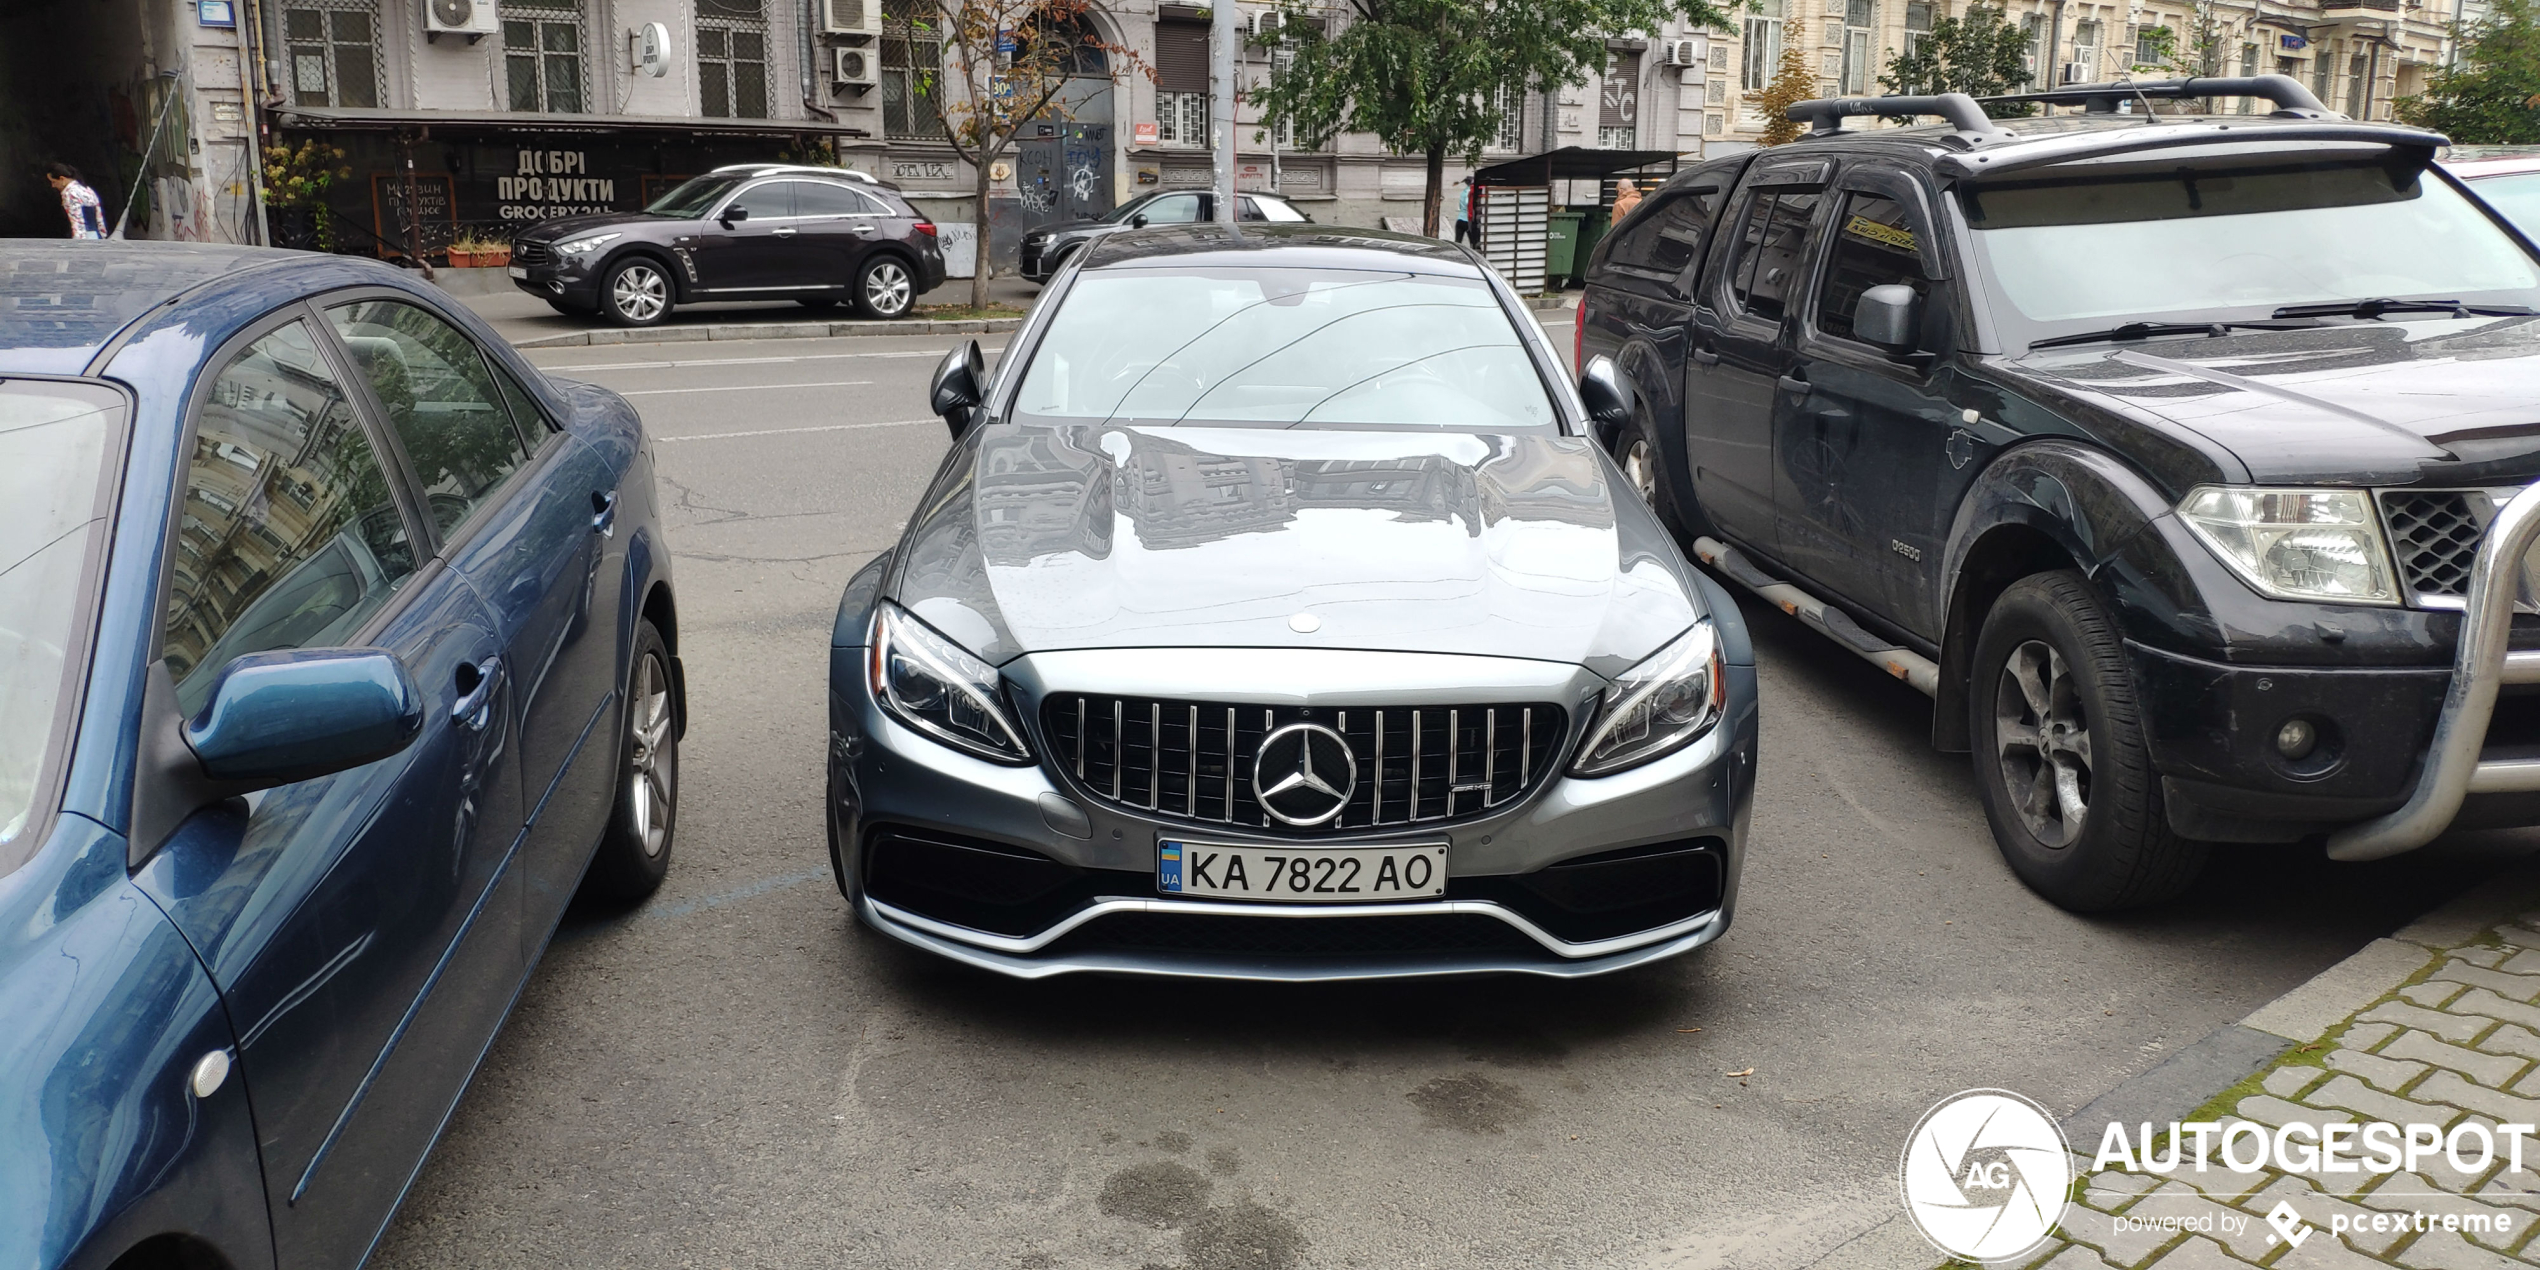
{"x": 2455, "y": 767}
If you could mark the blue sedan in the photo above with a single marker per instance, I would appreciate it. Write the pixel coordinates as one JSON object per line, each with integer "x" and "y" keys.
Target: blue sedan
{"x": 337, "y": 652}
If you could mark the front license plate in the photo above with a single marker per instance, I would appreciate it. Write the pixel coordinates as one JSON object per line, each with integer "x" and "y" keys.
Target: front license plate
{"x": 517, "y": 271}
{"x": 1310, "y": 875}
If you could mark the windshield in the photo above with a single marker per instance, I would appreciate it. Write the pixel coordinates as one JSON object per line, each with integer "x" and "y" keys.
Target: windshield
{"x": 1122, "y": 213}
{"x": 54, "y": 440}
{"x": 695, "y": 196}
{"x": 2164, "y": 243}
{"x": 1282, "y": 347}
{"x": 2516, "y": 198}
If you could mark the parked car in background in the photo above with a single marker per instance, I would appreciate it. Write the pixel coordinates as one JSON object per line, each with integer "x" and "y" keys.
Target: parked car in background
{"x": 2507, "y": 177}
{"x": 1049, "y": 246}
{"x": 337, "y": 651}
{"x": 820, "y": 237}
{"x": 1275, "y": 617}
{"x": 2158, "y": 449}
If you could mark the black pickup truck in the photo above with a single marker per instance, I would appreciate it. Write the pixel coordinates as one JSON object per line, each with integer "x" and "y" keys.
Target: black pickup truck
{"x": 2186, "y": 460}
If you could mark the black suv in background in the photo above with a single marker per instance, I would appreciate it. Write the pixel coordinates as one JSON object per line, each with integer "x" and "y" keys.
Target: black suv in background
{"x": 816, "y": 236}
{"x": 1048, "y": 247}
{"x": 2188, "y": 462}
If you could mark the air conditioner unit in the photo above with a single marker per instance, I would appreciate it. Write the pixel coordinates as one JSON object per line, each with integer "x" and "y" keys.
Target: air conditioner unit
{"x": 1263, "y": 24}
{"x": 1691, "y": 51}
{"x": 851, "y": 17}
{"x": 2076, "y": 73}
{"x": 853, "y": 68}
{"x": 474, "y": 19}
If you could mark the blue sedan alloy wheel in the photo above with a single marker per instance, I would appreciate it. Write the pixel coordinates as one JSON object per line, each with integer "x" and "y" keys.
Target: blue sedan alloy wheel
{"x": 635, "y": 853}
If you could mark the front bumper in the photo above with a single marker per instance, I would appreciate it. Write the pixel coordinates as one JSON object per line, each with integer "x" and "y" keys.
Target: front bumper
{"x": 566, "y": 278}
{"x": 1681, "y": 817}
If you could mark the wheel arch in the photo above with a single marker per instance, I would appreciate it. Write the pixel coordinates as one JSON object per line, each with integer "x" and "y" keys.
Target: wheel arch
{"x": 663, "y": 612}
{"x": 654, "y": 252}
{"x": 171, "y": 1251}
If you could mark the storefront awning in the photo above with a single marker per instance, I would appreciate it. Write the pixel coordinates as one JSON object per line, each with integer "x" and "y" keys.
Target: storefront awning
{"x": 1572, "y": 163}
{"x": 348, "y": 118}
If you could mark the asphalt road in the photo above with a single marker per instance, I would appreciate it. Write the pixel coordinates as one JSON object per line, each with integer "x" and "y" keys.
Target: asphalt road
{"x": 735, "y": 1074}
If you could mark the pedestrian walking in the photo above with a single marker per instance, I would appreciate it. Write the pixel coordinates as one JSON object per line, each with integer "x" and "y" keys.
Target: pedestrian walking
{"x": 1468, "y": 213}
{"x": 1626, "y": 197}
{"x": 87, "y": 215}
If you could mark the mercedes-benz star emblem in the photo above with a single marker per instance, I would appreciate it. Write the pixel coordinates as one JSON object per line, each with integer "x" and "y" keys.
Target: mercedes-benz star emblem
{"x": 1304, "y": 773}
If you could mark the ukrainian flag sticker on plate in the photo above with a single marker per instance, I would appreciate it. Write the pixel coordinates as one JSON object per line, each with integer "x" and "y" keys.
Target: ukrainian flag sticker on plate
{"x": 1168, "y": 866}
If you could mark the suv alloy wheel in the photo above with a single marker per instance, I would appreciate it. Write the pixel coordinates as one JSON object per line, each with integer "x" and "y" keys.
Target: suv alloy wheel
{"x": 637, "y": 293}
{"x": 883, "y": 288}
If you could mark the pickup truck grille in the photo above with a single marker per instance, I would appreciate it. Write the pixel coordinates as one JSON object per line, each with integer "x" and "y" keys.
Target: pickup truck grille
{"x": 2435, "y": 534}
{"x": 1193, "y": 759}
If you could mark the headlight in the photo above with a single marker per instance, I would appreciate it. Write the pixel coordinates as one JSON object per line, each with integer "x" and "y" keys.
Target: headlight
{"x": 935, "y": 686}
{"x": 1658, "y": 706}
{"x": 2296, "y": 544}
{"x": 586, "y": 245}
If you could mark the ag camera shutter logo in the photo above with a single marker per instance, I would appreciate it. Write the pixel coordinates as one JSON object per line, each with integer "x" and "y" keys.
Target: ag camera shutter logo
{"x": 1986, "y": 1175}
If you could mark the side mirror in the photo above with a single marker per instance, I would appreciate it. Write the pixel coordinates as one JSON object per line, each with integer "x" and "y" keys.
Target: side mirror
{"x": 960, "y": 387}
{"x": 1137, "y": 220}
{"x": 1888, "y": 316}
{"x": 731, "y": 214}
{"x": 275, "y": 718}
{"x": 1609, "y": 400}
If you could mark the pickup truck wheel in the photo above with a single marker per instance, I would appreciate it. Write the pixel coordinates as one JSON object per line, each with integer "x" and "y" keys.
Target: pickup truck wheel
{"x": 1636, "y": 452}
{"x": 2059, "y": 753}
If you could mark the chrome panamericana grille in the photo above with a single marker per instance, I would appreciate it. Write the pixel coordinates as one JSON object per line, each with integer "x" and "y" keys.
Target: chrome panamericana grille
{"x": 2435, "y": 534}
{"x": 1193, "y": 759}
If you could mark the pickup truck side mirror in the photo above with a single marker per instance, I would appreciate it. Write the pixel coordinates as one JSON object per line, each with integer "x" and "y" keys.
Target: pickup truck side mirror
{"x": 1890, "y": 317}
{"x": 1609, "y": 399}
{"x": 731, "y": 214}
{"x": 960, "y": 387}
{"x": 1137, "y": 220}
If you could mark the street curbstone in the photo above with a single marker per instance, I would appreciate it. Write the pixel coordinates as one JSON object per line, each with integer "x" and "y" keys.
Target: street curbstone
{"x": 2333, "y": 995}
{"x": 2492, "y": 1070}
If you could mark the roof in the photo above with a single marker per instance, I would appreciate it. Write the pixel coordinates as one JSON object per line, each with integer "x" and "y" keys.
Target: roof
{"x": 2019, "y": 144}
{"x": 1571, "y": 163}
{"x": 2472, "y": 162}
{"x": 1278, "y": 246}
{"x": 62, "y": 299}
{"x": 803, "y": 169}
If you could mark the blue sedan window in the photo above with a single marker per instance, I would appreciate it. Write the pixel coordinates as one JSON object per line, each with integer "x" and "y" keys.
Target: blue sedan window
{"x": 440, "y": 398}
{"x": 54, "y": 439}
{"x": 290, "y": 538}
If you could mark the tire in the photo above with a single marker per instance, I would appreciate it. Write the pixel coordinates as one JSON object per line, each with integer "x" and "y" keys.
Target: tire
{"x": 636, "y": 292}
{"x": 1645, "y": 470}
{"x": 2060, "y": 757}
{"x": 819, "y": 302}
{"x": 884, "y": 287}
{"x": 634, "y": 853}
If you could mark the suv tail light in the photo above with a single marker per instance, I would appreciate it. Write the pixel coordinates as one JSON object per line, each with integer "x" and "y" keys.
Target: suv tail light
{"x": 926, "y": 227}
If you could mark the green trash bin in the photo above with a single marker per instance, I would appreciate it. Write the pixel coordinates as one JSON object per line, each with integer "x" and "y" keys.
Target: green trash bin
{"x": 1561, "y": 246}
{"x": 1592, "y": 227}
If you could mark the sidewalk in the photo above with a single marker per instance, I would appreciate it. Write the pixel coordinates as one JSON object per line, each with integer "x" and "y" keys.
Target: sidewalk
{"x": 2436, "y": 1025}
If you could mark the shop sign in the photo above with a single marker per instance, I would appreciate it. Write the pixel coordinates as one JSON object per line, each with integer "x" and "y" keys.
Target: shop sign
{"x": 545, "y": 184}
{"x": 921, "y": 170}
{"x": 1143, "y": 134}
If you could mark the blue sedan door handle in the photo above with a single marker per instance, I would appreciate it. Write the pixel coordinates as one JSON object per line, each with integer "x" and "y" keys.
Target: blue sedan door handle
{"x": 475, "y": 708}
{"x": 604, "y": 513}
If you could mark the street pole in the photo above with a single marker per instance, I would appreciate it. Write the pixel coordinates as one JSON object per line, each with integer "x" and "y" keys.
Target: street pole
{"x": 1221, "y": 103}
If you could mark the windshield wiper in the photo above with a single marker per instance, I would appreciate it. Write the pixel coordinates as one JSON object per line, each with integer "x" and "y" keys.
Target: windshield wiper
{"x": 2376, "y": 307}
{"x": 2146, "y": 330}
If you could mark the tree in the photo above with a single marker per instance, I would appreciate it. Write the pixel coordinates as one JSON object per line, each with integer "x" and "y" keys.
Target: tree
{"x": 2491, "y": 94}
{"x": 1980, "y": 54}
{"x": 1429, "y": 77}
{"x": 1792, "y": 84}
{"x": 1005, "y": 63}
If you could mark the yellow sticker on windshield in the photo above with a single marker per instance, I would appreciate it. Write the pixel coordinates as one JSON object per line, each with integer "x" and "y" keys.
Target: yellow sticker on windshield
{"x": 1863, "y": 226}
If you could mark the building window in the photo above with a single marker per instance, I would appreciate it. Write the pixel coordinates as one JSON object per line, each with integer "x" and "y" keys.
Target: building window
{"x": 1855, "y": 73}
{"x": 732, "y": 58}
{"x": 912, "y": 72}
{"x": 2085, "y": 52}
{"x": 1763, "y": 45}
{"x": 2034, "y": 27}
{"x": 334, "y": 52}
{"x": 1181, "y": 82}
{"x": 2248, "y": 66}
{"x": 1509, "y": 105}
{"x": 542, "y": 55}
{"x": 2358, "y": 86}
{"x": 2323, "y": 67}
{"x": 1618, "y": 103}
{"x": 1917, "y": 25}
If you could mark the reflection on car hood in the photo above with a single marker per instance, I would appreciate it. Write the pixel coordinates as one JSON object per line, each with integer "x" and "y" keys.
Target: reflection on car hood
{"x": 1122, "y": 537}
{"x": 2385, "y": 403}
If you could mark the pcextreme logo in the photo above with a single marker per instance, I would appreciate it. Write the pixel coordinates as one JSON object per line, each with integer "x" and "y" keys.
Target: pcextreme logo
{"x": 1986, "y": 1175}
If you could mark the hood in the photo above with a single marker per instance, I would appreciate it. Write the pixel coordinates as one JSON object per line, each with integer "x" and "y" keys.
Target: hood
{"x": 567, "y": 226}
{"x": 1121, "y": 537}
{"x": 2379, "y": 403}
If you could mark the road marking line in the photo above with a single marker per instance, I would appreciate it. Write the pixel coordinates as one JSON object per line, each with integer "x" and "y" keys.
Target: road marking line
{"x": 744, "y": 361}
{"x": 830, "y": 383}
{"x": 825, "y": 427}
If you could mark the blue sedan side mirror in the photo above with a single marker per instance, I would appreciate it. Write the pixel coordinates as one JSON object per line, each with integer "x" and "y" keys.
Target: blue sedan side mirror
{"x": 280, "y": 717}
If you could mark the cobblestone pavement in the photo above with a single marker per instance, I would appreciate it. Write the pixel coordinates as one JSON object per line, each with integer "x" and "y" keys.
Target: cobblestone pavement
{"x": 2449, "y": 1036}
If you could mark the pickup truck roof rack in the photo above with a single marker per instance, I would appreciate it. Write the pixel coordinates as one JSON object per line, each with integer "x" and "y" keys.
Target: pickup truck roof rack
{"x": 2291, "y": 99}
{"x": 1825, "y": 116}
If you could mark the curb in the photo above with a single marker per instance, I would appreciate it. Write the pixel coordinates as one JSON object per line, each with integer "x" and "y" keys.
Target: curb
{"x": 769, "y": 331}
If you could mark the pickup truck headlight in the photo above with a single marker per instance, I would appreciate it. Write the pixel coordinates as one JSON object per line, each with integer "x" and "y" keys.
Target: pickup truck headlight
{"x": 586, "y": 244}
{"x": 935, "y": 686}
{"x": 2296, "y": 544}
{"x": 1658, "y": 706}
